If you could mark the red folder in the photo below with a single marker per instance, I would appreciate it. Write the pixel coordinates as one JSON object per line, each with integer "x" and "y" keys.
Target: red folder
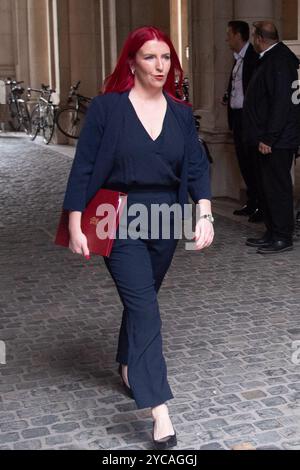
{"x": 99, "y": 221}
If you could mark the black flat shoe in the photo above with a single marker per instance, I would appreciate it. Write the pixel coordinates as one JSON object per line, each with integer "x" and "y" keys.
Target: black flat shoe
{"x": 278, "y": 246}
{"x": 262, "y": 242}
{"x": 127, "y": 390}
{"x": 164, "y": 443}
{"x": 244, "y": 211}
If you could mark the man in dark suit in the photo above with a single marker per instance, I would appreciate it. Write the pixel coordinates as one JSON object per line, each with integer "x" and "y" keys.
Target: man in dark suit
{"x": 272, "y": 128}
{"x": 245, "y": 61}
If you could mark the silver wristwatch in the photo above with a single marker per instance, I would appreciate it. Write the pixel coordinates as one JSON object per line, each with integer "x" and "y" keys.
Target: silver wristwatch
{"x": 208, "y": 217}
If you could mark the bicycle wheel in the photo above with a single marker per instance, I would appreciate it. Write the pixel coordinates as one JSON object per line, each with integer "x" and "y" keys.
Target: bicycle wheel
{"x": 35, "y": 122}
{"x": 14, "y": 122}
{"x": 24, "y": 117}
{"x": 70, "y": 122}
{"x": 48, "y": 127}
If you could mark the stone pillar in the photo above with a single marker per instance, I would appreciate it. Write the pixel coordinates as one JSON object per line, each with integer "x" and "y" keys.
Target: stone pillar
{"x": 179, "y": 30}
{"x": 210, "y": 59}
{"x": 124, "y": 21}
{"x": 7, "y": 40}
{"x": 21, "y": 41}
{"x": 210, "y": 65}
{"x": 61, "y": 68}
{"x": 185, "y": 36}
{"x": 108, "y": 36}
{"x": 75, "y": 54}
{"x": 38, "y": 38}
{"x": 85, "y": 45}
{"x": 175, "y": 31}
{"x": 3, "y": 106}
{"x": 257, "y": 10}
{"x": 132, "y": 14}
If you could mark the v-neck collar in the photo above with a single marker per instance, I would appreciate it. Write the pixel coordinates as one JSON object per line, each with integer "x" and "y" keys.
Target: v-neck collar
{"x": 145, "y": 130}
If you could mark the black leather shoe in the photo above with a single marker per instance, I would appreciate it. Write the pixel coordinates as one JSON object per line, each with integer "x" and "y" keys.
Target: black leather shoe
{"x": 245, "y": 210}
{"x": 262, "y": 242}
{"x": 164, "y": 443}
{"x": 127, "y": 390}
{"x": 256, "y": 217}
{"x": 278, "y": 246}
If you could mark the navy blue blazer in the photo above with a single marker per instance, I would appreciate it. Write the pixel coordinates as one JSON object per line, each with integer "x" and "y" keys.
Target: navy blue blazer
{"x": 94, "y": 155}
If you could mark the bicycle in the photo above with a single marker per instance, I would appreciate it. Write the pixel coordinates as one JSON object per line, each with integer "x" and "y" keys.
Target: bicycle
{"x": 43, "y": 114}
{"x": 19, "y": 114}
{"x": 183, "y": 94}
{"x": 69, "y": 119}
{"x": 202, "y": 141}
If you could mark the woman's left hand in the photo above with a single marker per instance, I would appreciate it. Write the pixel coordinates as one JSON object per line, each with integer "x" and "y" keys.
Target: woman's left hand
{"x": 204, "y": 234}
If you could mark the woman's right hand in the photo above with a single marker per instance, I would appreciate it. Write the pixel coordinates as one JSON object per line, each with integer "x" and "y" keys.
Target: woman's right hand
{"x": 78, "y": 243}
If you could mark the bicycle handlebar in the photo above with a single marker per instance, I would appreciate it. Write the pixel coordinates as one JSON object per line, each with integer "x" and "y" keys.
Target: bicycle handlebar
{"x": 34, "y": 89}
{"x": 9, "y": 81}
{"x": 73, "y": 89}
{"x": 45, "y": 88}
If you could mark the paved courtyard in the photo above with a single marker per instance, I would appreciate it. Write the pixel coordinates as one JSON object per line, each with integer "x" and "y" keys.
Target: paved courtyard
{"x": 230, "y": 320}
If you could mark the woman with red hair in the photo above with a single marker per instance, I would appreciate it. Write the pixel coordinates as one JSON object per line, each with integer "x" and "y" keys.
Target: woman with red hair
{"x": 139, "y": 138}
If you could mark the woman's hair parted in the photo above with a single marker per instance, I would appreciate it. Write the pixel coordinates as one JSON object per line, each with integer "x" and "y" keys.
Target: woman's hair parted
{"x": 122, "y": 79}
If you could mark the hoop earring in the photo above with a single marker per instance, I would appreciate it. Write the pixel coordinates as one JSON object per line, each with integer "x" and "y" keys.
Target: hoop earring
{"x": 132, "y": 71}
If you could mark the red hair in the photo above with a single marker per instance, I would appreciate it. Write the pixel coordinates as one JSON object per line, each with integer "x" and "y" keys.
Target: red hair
{"x": 122, "y": 79}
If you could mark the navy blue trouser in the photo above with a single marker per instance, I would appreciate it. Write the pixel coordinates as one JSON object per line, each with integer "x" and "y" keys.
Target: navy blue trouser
{"x": 138, "y": 267}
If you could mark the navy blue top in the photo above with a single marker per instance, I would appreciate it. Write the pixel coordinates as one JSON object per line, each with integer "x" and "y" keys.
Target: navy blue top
{"x": 140, "y": 161}
{"x": 94, "y": 160}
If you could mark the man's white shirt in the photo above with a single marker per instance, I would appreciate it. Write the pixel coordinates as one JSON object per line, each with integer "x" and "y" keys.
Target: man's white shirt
{"x": 237, "y": 93}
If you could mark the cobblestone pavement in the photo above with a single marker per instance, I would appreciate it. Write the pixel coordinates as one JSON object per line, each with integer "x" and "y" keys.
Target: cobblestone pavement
{"x": 230, "y": 317}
